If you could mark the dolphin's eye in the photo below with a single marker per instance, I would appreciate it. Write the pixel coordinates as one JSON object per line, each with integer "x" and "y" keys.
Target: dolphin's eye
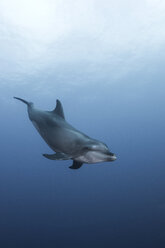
{"x": 91, "y": 148}
{"x": 86, "y": 148}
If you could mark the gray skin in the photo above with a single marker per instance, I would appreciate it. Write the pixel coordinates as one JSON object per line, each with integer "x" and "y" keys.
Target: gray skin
{"x": 65, "y": 140}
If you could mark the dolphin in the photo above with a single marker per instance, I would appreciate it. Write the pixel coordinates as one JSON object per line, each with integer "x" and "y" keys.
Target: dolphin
{"x": 66, "y": 141}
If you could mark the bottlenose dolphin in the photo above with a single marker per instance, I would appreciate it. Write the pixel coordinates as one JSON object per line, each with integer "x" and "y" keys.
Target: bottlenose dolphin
{"x": 65, "y": 140}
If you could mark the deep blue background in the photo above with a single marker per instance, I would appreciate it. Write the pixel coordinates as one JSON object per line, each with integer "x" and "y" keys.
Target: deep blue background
{"x": 119, "y": 204}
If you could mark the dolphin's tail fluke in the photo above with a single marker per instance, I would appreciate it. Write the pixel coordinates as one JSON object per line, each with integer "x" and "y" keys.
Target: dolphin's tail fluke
{"x": 22, "y": 100}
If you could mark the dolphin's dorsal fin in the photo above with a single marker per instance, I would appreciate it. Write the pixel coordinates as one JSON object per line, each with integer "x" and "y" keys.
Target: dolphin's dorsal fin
{"x": 59, "y": 109}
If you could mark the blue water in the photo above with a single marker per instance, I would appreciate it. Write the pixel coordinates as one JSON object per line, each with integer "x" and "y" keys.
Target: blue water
{"x": 114, "y": 96}
{"x": 45, "y": 204}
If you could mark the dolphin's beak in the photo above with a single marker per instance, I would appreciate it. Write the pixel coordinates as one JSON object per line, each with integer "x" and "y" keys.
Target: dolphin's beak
{"x": 112, "y": 156}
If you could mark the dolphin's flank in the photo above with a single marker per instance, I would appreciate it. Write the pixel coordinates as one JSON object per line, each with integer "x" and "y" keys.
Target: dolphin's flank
{"x": 66, "y": 141}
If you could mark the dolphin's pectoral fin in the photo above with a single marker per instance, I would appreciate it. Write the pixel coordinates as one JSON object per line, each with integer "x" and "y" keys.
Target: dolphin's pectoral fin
{"x": 57, "y": 156}
{"x": 76, "y": 165}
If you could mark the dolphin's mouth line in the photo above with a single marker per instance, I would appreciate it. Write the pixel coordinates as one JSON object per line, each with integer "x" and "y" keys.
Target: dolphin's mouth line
{"x": 109, "y": 153}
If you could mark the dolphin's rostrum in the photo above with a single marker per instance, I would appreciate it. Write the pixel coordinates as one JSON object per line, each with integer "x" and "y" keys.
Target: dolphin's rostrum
{"x": 65, "y": 140}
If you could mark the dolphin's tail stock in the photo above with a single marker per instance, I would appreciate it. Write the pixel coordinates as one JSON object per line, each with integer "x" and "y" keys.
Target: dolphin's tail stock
{"x": 22, "y": 100}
